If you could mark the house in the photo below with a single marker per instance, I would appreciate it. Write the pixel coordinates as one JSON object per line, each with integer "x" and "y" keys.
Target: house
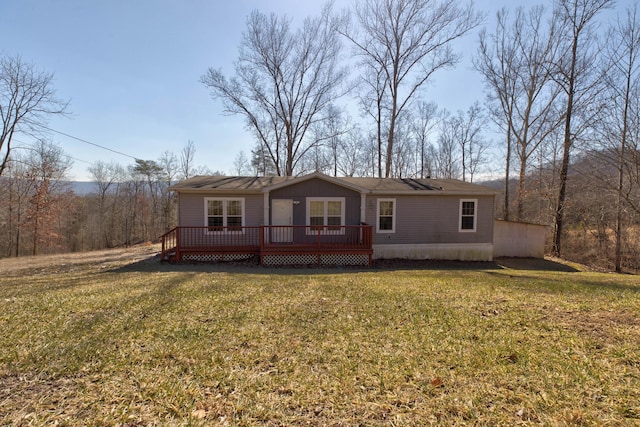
{"x": 320, "y": 219}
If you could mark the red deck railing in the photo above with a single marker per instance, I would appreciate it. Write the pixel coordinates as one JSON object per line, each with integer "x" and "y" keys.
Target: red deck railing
{"x": 268, "y": 239}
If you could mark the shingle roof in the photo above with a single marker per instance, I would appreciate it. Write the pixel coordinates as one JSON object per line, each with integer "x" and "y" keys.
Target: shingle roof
{"x": 246, "y": 184}
{"x": 229, "y": 183}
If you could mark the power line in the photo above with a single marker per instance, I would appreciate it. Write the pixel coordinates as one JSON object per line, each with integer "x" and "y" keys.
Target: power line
{"x": 33, "y": 149}
{"x": 91, "y": 143}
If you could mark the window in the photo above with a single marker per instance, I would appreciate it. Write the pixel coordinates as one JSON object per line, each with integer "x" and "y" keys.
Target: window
{"x": 325, "y": 215}
{"x": 386, "y": 216}
{"x": 316, "y": 214}
{"x": 224, "y": 212}
{"x": 468, "y": 215}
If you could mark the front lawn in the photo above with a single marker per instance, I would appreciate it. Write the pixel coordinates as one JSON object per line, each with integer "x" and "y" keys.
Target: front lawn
{"x": 419, "y": 344}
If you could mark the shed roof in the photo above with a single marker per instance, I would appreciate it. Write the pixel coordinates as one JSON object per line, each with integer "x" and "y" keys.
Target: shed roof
{"x": 387, "y": 186}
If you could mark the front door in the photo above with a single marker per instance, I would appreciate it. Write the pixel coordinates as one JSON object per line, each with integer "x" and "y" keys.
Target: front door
{"x": 282, "y": 216}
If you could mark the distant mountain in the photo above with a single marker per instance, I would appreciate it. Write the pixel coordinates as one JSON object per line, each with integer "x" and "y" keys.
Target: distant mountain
{"x": 497, "y": 184}
{"x": 82, "y": 188}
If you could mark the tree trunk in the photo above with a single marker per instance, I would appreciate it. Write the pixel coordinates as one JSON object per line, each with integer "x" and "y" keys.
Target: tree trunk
{"x": 564, "y": 169}
{"x": 392, "y": 127}
{"x": 620, "y": 201}
{"x": 521, "y": 188}
{"x": 505, "y": 211}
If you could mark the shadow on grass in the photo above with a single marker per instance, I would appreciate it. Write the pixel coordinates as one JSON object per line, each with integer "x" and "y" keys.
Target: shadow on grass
{"x": 251, "y": 266}
{"x": 534, "y": 264}
{"x": 586, "y": 284}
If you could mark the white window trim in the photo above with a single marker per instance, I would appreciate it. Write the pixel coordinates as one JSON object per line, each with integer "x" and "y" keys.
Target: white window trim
{"x": 224, "y": 214}
{"x": 309, "y": 230}
{"x": 475, "y": 216}
{"x": 393, "y": 219}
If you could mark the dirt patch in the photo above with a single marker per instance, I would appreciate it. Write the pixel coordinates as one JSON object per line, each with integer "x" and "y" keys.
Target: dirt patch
{"x": 104, "y": 259}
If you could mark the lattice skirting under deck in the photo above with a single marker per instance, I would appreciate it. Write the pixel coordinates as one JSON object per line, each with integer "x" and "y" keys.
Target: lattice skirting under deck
{"x": 215, "y": 257}
{"x": 312, "y": 259}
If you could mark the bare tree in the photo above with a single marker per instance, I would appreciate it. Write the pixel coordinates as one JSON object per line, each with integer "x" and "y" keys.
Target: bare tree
{"x": 468, "y": 128}
{"x": 329, "y": 135}
{"x": 445, "y": 153}
{"x": 16, "y": 190}
{"x": 616, "y": 126}
{"x": 371, "y": 95}
{"x": 241, "y": 164}
{"x": 352, "y": 154}
{"x": 404, "y": 154}
{"x": 106, "y": 176}
{"x": 187, "y": 155}
{"x": 168, "y": 162}
{"x": 575, "y": 70}
{"x": 515, "y": 62}
{"x": 425, "y": 119}
{"x": 284, "y": 81}
{"x": 27, "y": 99}
{"x": 47, "y": 166}
{"x": 261, "y": 162}
{"x": 403, "y": 43}
{"x": 496, "y": 61}
{"x": 149, "y": 173}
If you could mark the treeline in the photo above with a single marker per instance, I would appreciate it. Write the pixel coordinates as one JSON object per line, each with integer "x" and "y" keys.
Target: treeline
{"x": 41, "y": 214}
{"x": 592, "y": 214}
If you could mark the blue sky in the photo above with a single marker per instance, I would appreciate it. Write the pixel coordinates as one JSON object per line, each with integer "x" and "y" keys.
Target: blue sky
{"x": 131, "y": 70}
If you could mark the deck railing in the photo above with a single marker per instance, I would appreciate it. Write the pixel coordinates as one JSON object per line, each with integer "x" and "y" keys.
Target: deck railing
{"x": 318, "y": 237}
{"x": 264, "y": 238}
{"x": 169, "y": 243}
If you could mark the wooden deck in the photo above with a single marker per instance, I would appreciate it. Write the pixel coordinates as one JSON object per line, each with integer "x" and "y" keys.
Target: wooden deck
{"x": 274, "y": 245}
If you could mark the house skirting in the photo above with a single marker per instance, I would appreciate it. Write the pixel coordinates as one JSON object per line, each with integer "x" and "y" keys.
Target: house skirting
{"x": 441, "y": 251}
{"x": 316, "y": 259}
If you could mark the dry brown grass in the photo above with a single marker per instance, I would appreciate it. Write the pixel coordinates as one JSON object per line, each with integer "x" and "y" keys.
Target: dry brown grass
{"x": 132, "y": 342}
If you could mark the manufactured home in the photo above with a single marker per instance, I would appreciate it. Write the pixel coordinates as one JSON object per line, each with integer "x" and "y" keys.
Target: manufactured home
{"x": 318, "y": 219}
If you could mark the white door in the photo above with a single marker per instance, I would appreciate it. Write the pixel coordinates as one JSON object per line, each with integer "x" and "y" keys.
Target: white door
{"x": 282, "y": 215}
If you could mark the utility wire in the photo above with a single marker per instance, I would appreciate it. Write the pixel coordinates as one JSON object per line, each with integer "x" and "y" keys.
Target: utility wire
{"x": 91, "y": 143}
{"x": 33, "y": 149}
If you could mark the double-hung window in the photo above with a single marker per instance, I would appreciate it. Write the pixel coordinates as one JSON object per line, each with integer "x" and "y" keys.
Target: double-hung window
{"x": 386, "y": 221}
{"x": 224, "y": 214}
{"x": 468, "y": 215}
{"x": 325, "y": 215}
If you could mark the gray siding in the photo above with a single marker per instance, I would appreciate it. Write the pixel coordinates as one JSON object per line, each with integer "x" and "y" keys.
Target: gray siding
{"x": 432, "y": 219}
{"x": 191, "y": 208}
{"x": 319, "y": 188}
{"x": 419, "y": 219}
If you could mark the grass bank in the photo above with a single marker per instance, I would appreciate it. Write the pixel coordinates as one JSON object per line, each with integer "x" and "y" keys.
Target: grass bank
{"x": 412, "y": 344}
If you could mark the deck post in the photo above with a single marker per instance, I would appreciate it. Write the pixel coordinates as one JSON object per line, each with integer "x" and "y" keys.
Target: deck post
{"x": 178, "y": 255}
{"x": 262, "y": 231}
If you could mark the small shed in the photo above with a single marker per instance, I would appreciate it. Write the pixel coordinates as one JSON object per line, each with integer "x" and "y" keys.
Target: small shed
{"x": 518, "y": 239}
